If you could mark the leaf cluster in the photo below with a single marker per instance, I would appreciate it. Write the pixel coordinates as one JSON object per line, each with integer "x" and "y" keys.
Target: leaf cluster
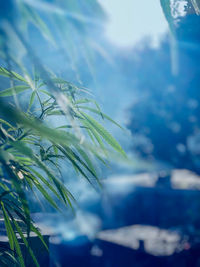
{"x": 32, "y": 151}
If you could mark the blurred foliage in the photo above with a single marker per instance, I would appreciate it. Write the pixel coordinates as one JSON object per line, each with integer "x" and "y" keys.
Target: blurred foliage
{"x": 165, "y": 119}
{"x": 172, "y": 13}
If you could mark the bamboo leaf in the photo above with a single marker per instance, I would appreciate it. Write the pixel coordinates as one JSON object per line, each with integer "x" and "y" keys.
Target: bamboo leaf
{"x": 25, "y": 242}
{"x": 14, "y": 90}
{"x": 68, "y": 153}
{"x": 93, "y": 131}
{"x": 38, "y": 22}
{"x": 12, "y": 233}
{"x": 102, "y": 114}
{"x": 44, "y": 193}
{"x": 11, "y": 74}
{"x": 45, "y": 182}
{"x": 20, "y": 214}
{"x": 104, "y": 133}
{"x": 87, "y": 159}
{"x": 7, "y": 123}
{"x": 8, "y": 230}
{"x": 28, "y": 152}
{"x": 32, "y": 98}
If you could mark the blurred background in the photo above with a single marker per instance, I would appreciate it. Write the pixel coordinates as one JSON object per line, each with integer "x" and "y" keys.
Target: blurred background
{"x": 140, "y": 60}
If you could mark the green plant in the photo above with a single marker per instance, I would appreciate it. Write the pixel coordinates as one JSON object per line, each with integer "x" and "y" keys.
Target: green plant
{"x": 31, "y": 150}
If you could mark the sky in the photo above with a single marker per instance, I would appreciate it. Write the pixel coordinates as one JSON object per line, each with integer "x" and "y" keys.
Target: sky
{"x": 131, "y": 20}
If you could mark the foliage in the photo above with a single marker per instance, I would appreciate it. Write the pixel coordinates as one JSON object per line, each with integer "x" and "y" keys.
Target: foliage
{"x": 44, "y": 121}
{"x": 166, "y": 117}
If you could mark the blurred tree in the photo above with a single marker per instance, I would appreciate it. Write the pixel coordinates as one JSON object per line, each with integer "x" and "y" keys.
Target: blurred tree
{"x": 165, "y": 120}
